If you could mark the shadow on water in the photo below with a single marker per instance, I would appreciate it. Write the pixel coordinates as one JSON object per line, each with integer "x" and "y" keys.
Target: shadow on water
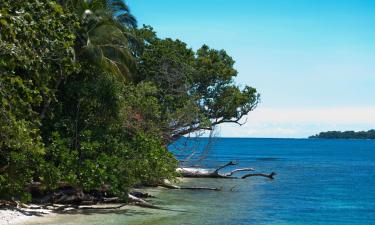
{"x": 127, "y": 212}
{"x": 99, "y": 216}
{"x": 24, "y": 212}
{"x": 319, "y": 183}
{"x": 122, "y": 211}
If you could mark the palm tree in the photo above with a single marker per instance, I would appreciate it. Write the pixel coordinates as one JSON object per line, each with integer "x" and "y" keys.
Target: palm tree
{"x": 105, "y": 34}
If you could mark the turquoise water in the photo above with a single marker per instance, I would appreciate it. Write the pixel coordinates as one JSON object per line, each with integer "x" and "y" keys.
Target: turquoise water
{"x": 318, "y": 182}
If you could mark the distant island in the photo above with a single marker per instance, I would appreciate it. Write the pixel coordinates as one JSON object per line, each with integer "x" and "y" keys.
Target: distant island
{"x": 370, "y": 134}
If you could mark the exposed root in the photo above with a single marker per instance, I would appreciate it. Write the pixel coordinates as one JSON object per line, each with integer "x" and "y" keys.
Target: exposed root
{"x": 231, "y": 163}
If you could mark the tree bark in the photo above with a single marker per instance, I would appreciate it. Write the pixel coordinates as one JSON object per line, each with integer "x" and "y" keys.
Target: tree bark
{"x": 206, "y": 173}
{"x": 142, "y": 203}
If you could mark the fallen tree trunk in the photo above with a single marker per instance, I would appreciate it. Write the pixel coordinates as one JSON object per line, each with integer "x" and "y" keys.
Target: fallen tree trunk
{"x": 72, "y": 197}
{"x": 78, "y": 200}
{"x": 87, "y": 205}
{"x": 142, "y": 203}
{"x": 207, "y": 173}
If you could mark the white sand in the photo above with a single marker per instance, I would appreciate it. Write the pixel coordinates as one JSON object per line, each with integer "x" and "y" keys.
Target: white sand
{"x": 12, "y": 216}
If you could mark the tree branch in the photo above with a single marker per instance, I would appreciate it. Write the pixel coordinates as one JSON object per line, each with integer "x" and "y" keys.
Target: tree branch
{"x": 238, "y": 170}
{"x": 142, "y": 203}
{"x": 270, "y": 176}
{"x": 231, "y": 163}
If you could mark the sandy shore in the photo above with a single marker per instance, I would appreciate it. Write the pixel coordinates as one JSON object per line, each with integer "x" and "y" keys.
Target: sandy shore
{"x": 29, "y": 216}
{"x": 13, "y": 216}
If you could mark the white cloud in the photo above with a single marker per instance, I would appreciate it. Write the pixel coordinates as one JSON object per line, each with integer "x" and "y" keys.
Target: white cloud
{"x": 293, "y": 122}
{"x": 339, "y": 115}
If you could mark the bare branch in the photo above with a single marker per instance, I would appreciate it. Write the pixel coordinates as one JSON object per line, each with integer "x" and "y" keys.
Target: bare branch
{"x": 238, "y": 170}
{"x": 270, "y": 176}
{"x": 231, "y": 163}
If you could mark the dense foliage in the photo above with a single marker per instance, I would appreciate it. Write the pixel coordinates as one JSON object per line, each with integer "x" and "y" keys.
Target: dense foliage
{"x": 36, "y": 54}
{"x": 196, "y": 90}
{"x": 90, "y": 100}
{"x": 370, "y": 134}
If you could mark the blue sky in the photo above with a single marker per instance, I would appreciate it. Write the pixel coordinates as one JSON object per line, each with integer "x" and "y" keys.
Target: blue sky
{"x": 313, "y": 62}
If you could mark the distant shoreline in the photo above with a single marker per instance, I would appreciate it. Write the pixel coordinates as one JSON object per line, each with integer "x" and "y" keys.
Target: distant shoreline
{"x": 285, "y": 138}
{"x": 350, "y": 135}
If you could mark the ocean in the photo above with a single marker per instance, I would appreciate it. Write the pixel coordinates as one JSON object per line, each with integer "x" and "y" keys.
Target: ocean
{"x": 317, "y": 182}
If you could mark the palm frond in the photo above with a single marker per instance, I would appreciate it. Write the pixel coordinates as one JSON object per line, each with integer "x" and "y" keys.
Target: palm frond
{"x": 106, "y": 39}
{"x": 122, "y": 13}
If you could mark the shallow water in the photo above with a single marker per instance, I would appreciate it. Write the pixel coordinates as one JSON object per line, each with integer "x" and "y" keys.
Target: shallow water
{"x": 318, "y": 182}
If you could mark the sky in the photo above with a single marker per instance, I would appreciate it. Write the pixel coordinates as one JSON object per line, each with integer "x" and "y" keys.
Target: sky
{"x": 312, "y": 61}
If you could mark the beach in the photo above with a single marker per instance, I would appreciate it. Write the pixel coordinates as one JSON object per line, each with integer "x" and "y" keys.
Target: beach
{"x": 14, "y": 216}
{"x": 317, "y": 182}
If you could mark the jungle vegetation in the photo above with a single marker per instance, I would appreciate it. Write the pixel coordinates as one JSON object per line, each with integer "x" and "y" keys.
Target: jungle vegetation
{"x": 370, "y": 134}
{"x": 89, "y": 98}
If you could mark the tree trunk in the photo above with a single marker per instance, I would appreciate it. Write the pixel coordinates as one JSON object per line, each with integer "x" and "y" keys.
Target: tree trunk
{"x": 207, "y": 173}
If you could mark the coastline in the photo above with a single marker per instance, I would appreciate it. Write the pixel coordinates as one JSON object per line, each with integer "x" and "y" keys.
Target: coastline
{"x": 25, "y": 216}
{"x": 11, "y": 216}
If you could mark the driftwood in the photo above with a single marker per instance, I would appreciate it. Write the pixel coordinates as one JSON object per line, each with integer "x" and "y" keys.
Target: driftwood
{"x": 68, "y": 197}
{"x": 12, "y": 203}
{"x": 206, "y": 173}
{"x": 139, "y": 194}
{"x": 72, "y": 198}
{"x": 82, "y": 206}
{"x": 270, "y": 176}
{"x": 142, "y": 203}
{"x": 19, "y": 206}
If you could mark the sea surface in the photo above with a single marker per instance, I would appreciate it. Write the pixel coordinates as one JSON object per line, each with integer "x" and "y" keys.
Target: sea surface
{"x": 317, "y": 182}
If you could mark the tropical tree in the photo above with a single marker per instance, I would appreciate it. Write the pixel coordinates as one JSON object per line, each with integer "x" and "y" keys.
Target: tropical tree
{"x": 196, "y": 89}
{"x": 88, "y": 100}
{"x": 105, "y": 34}
{"x": 87, "y": 135}
{"x": 36, "y": 54}
{"x": 82, "y": 120}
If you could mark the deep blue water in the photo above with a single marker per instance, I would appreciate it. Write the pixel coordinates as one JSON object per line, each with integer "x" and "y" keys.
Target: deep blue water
{"x": 318, "y": 181}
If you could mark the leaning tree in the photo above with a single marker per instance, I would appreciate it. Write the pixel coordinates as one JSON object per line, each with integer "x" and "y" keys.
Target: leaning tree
{"x": 196, "y": 89}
